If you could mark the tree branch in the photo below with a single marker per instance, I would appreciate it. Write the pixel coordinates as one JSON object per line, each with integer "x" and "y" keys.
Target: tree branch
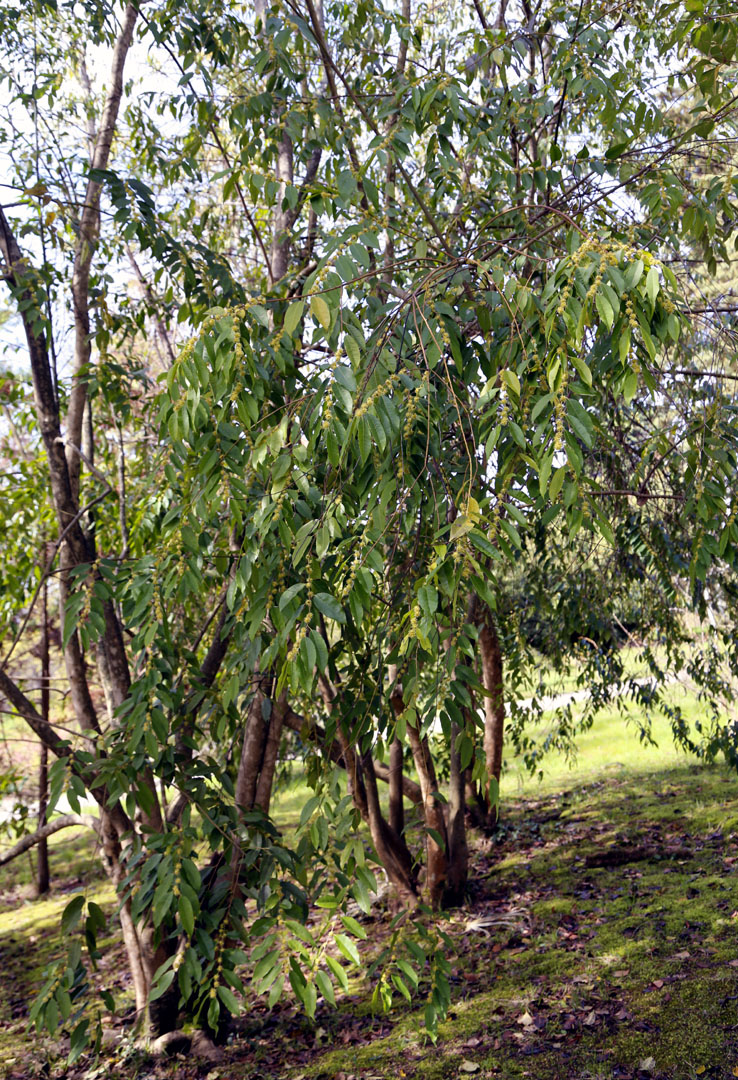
{"x": 89, "y": 229}
{"x": 65, "y": 821}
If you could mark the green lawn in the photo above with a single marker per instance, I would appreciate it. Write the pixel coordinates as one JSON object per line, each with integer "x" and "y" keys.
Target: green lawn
{"x": 562, "y": 968}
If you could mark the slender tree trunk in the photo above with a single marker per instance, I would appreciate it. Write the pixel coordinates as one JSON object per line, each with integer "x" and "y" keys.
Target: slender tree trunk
{"x": 494, "y": 714}
{"x": 396, "y": 801}
{"x": 436, "y": 840}
{"x": 42, "y": 855}
{"x": 458, "y": 848}
{"x": 271, "y": 753}
{"x": 390, "y": 846}
{"x": 252, "y": 750}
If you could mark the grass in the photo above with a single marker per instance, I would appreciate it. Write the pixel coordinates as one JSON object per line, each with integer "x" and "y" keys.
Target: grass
{"x": 611, "y": 746}
{"x": 593, "y": 972}
{"x": 614, "y": 967}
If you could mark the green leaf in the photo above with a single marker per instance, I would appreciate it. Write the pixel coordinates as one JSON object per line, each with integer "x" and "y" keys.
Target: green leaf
{"x": 275, "y": 992}
{"x": 290, "y": 594}
{"x": 326, "y": 986}
{"x": 319, "y": 308}
{"x": 329, "y": 606}
{"x": 460, "y": 527}
{"x": 481, "y": 543}
{"x": 652, "y": 284}
{"x": 582, "y": 368}
{"x": 354, "y": 927}
{"x": 633, "y": 274}
{"x": 511, "y": 381}
{"x": 606, "y": 529}
{"x": 161, "y": 985}
{"x": 428, "y": 599}
{"x": 580, "y": 421}
{"x": 352, "y": 350}
{"x": 630, "y": 386}
{"x": 230, "y": 1000}
{"x": 346, "y": 184}
{"x": 364, "y": 435}
{"x": 186, "y": 915}
{"x": 349, "y": 950}
{"x": 72, "y": 912}
{"x": 78, "y": 1041}
{"x": 345, "y": 377}
{"x": 338, "y": 971}
{"x": 293, "y": 315}
{"x": 604, "y": 309}
{"x": 556, "y": 482}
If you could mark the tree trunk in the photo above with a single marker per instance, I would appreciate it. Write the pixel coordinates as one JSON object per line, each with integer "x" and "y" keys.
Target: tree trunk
{"x": 271, "y": 753}
{"x": 391, "y": 849}
{"x": 436, "y": 841}
{"x": 396, "y": 803}
{"x": 42, "y": 855}
{"x": 252, "y": 750}
{"x": 142, "y": 954}
{"x": 494, "y": 715}
{"x": 458, "y": 849}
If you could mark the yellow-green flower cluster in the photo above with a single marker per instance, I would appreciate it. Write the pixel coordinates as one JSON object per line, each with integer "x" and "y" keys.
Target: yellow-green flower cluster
{"x": 302, "y": 630}
{"x": 633, "y": 323}
{"x": 560, "y": 400}
{"x": 384, "y": 388}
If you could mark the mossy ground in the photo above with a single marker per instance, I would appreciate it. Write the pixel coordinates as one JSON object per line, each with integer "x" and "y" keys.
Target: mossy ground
{"x": 562, "y": 968}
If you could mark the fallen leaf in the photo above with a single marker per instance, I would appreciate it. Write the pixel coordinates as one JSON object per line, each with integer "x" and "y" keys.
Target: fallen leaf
{"x": 621, "y": 973}
{"x": 647, "y": 1064}
{"x": 658, "y": 983}
{"x": 683, "y": 955}
{"x": 525, "y": 1019}
{"x": 591, "y": 1019}
{"x": 733, "y": 963}
{"x": 469, "y": 1066}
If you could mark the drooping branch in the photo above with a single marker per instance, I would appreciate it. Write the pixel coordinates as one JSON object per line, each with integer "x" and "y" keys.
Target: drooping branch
{"x": 65, "y": 821}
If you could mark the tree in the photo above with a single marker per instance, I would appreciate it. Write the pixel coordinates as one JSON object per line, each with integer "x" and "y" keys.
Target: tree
{"x": 433, "y": 298}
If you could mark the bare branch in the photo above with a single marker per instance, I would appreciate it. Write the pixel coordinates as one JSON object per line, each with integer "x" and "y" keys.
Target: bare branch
{"x": 89, "y": 229}
{"x": 65, "y": 821}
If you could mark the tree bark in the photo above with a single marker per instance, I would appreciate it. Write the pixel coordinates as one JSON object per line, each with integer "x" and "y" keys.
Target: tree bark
{"x": 64, "y": 821}
{"x": 309, "y": 729}
{"x": 271, "y": 753}
{"x": 88, "y": 233}
{"x": 391, "y": 849}
{"x": 252, "y": 750}
{"x": 458, "y": 848}
{"x": 396, "y": 799}
{"x": 436, "y": 839}
{"x": 42, "y": 855}
{"x": 494, "y": 714}
{"x": 389, "y": 845}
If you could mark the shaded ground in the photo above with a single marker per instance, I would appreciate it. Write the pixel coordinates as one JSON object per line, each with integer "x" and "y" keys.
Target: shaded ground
{"x": 599, "y": 943}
